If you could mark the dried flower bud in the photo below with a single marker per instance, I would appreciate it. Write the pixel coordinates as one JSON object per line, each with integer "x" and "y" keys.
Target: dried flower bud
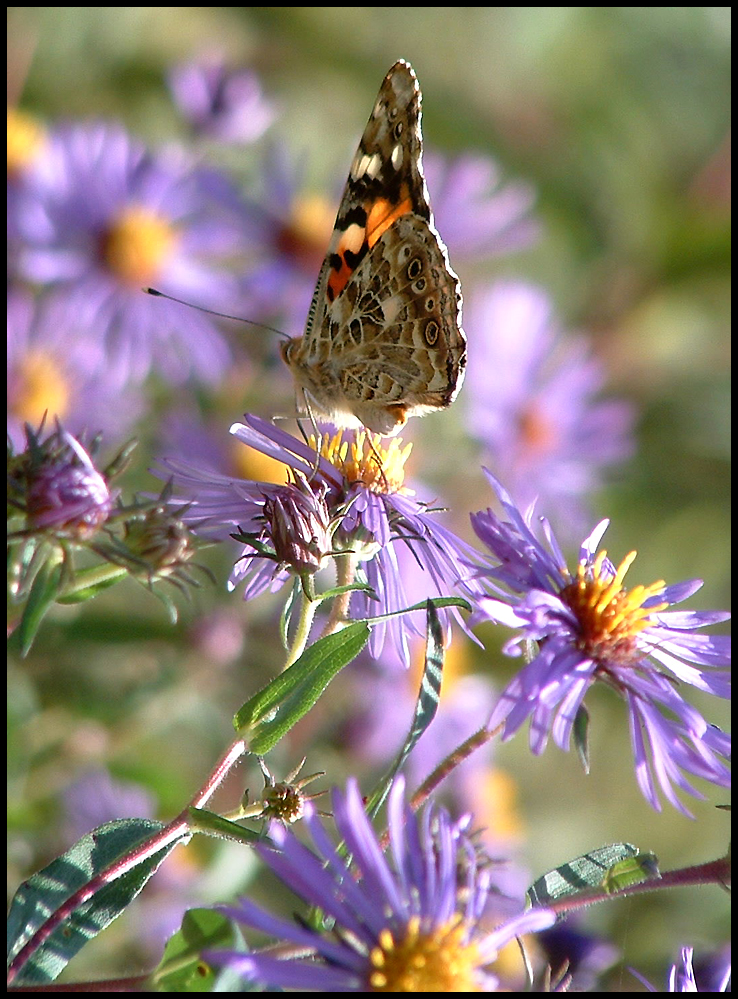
{"x": 299, "y": 527}
{"x": 159, "y": 539}
{"x": 65, "y": 493}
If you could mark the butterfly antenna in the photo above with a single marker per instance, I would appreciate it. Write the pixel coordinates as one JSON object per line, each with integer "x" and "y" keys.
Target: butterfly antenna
{"x": 212, "y": 312}
{"x": 318, "y": 435}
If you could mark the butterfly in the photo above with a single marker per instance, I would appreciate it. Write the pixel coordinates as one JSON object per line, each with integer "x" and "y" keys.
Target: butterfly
{"x": 383, "y": 339}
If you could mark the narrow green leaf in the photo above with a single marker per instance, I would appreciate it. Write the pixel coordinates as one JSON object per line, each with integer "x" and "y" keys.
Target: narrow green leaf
{"x": 631, "y": 871}
{"x": 182, "y": 969}
{"x": 87, "y": 592}
{"x": 426, "y": 705}
{"x": 588, "y": 871}
{"x": 44, "y": 591}
{"x": 336, "y": 591}
{"x": 211, "y": 824}
{"x": 286, "y": 615}
{"x": 266, "y": 717}
{"x": 436, "y": 601}
{"x": 581, "y": 736}
{"x": 44, "y": 892}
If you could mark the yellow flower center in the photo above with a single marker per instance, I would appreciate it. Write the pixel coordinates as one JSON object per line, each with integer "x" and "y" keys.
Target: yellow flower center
{"x": 379, "y": 466}
{"x": 39, "y": 387}
{"x": 610, "y": 617}
{"x": 137, "y": 244}
{"x": 26, "y": 138}
{"x": 436, "y": 961}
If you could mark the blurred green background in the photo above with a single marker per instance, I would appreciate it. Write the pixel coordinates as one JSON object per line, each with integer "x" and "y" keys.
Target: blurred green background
{"x": 619, "y": 116}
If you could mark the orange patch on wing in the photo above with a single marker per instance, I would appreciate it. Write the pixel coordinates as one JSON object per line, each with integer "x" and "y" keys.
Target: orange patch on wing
{"x": 380, "y": 217}
{"x": 337, "y": 279}
{"x": 383, "y": 214}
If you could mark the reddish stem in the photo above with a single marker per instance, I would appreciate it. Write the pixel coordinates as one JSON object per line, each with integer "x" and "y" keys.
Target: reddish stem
{"x": 177, "y": 829}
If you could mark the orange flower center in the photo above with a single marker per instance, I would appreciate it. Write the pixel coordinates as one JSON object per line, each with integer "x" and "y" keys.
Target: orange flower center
{"x": 611, "y": 617}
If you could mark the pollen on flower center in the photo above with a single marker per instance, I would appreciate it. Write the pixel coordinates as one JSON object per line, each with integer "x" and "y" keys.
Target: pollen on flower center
{"x": 435, "y": 961}
{"x": 610, "y": 617}
{"x": 137, "y": 244}
{"x": 378, "y": 466}
{"x": 38, "y": 386}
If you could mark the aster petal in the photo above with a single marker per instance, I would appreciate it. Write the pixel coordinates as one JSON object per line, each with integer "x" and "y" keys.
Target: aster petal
{"x": 286, "y": 974}
{"x": 247, "y": 911}
{"x": 527, "y": 922}
{"x": 354, "y": 826}
{"x": 712, "y": 683}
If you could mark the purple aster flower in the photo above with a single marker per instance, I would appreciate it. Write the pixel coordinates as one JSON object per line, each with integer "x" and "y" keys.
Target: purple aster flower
{"x": 534, "y": 403}
{"x": 589, "y": 627}
{"x": 361, "y": 480}
{"x": 221, "y": 103}
{"x": 477, "y": 214}
{"x": 105, "y": 217}
{"x": 409, "y": 920}
{"x": 682, "y": 976}
{"x": 57, "y": 369}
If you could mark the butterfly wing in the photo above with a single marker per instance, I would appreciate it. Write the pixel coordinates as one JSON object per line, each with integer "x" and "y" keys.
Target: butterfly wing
{"x": 383, "y": 340}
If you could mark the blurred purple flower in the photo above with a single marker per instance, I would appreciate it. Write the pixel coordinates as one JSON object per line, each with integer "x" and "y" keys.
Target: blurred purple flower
{"x": 408, "y": 920}
{"x": 682, "y": 976}
{"x": 57, "y": 369}
{"x": 95, "y": 798}
{"x": 589, "y": 628}
{"x": 105, "y": 217}
{"x": 290, "y": 232}
{"x": 533, "y": 401}
{"x": 580, "y": 957}
{"x": 477, "y": 214}
{"x": 363, "y": 484}
{"x": 221, "y": 103}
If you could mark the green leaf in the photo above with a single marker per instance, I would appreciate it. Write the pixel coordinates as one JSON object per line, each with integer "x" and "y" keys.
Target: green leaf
{"x": 426, "y": 705}
{"x": 588, "y": 871}
{"x": 286, "y": 615}
{"x": 266, "y": 717}
{"x": 87, "y": 592}
{"x": 436, "y": 601}
{"x": 44, "y": 591}
{"x": 212, "y": 824}
{"x": 44, "y": 892}
{"x": 581, "y": 736}
{"x": 182, "y": 969}
{"x": 631, "y": 871}
{"x": 337, "y": 591}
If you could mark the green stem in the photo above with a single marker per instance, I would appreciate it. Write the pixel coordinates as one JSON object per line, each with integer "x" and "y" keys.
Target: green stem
{"x": 308, "y": 607}
{"x": 345, "y": 575}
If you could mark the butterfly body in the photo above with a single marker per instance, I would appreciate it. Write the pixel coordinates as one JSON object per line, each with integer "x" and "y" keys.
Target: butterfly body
{"x": 383, "y": 339}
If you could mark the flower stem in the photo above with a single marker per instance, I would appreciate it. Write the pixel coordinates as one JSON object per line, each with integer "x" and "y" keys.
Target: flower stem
{"x": 308, "y": 607}
{"x": 345, "y": 575}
